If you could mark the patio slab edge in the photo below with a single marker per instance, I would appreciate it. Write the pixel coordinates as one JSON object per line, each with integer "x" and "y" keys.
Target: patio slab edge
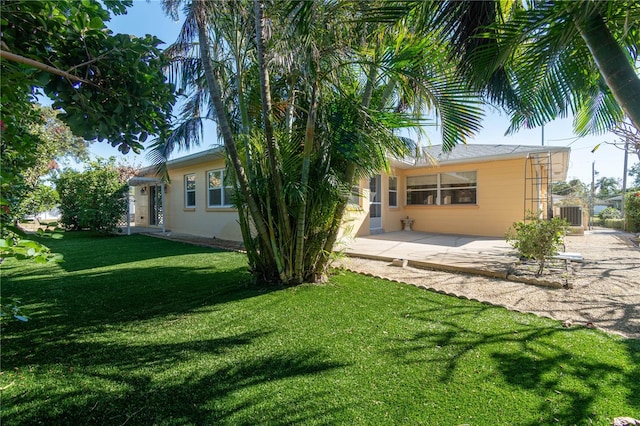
{"x": 437, "y": 266}
{"x": 503, "y": 275}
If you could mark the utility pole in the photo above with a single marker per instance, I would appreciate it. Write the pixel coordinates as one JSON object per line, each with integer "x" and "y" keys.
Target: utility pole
{"x": 624, "y": 182}
{"x": 593, "y": 193}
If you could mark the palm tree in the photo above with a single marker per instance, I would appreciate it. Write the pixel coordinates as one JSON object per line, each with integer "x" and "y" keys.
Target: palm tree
{"x": 607, "y": 187}
{"x": 551, "y": 58}
{"x": 307, "y": 97}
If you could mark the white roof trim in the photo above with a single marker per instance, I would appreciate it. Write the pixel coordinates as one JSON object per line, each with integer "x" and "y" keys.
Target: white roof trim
{"x": 141, "y": 181}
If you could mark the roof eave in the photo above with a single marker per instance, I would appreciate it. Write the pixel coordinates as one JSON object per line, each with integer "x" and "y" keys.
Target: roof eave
{"x": 559, "y": 155}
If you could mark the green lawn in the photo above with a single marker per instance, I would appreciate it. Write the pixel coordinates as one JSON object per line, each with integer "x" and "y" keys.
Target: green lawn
{"x": 137, "y": 330}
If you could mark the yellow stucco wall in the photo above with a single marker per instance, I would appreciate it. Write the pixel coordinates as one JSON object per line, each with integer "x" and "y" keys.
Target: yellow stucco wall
{"x": 207, "y": 222}
{"x": 354, "y": 217}
{"x": 500, "y": 202}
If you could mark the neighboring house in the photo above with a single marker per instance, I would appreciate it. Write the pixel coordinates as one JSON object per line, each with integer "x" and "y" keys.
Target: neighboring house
{"x": 472, "y": 190}
{"x": 53, "y": 214}
{"x": 600, "y": 204}
{"x": 615, "y": 202}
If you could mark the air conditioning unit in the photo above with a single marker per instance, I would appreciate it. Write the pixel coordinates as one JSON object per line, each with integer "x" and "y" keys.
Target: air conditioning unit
{"x": 573, "y": 215}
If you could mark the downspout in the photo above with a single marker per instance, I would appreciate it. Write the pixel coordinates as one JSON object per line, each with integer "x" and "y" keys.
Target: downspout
{"x": 164, "y": 210}
{"x": 538, "y": 169}
{"x": 624, "y": 183}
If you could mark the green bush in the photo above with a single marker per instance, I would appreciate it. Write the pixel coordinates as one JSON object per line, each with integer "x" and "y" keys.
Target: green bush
{"x": 632, "y": 211}
{"x": 39, "y": 200}
{"x": 94, "y": 199}
{"x": 614, "y": 223}
{"x": 537, "y": 238}
{"x": 610, "y": 213}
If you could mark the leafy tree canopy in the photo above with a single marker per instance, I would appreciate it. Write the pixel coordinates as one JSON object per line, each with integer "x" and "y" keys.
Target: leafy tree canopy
{"x": 607, "y": 187}
{"x": 574, "y": 187}
{"x": 56, "y": 143}
{"x": 307, "y": 97}
{"x": 634, "y": 172}
{"x": 41, "y": 199}
{"x": 94, "y": 199}
{"x": 110, "y": 87}
{"x": 545, "y": 59}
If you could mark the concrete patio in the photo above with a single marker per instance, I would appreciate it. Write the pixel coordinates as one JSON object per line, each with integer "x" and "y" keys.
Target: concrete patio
{"x": 457, "y": 253}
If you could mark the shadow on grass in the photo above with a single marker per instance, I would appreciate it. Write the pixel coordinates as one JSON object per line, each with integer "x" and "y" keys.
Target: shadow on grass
{"x": 86, "y": 250}
{"x": 128, "y": 386}
{"x": 68, "y": 306}
{"x": 564, "y": 366}
{"x": 570, "y": 386}
{"x": 111, "y": 341}
{"x": 112, "y": 280}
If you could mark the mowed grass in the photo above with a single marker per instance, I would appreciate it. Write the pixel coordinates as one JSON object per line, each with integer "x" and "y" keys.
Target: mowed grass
{"x": 137, "y": 330}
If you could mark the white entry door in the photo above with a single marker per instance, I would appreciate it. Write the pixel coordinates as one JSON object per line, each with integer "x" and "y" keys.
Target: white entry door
{"x": 375, "y": 203}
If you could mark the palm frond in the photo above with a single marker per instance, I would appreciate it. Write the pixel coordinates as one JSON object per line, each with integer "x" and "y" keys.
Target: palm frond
{"x": 598, "y": 114}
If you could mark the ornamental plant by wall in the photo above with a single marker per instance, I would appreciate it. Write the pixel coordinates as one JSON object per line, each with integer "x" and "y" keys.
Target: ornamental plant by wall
{"x": 538, "y": 239}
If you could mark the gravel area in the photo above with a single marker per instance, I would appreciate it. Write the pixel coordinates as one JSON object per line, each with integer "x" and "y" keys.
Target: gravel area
{"x": 605, "y": 293}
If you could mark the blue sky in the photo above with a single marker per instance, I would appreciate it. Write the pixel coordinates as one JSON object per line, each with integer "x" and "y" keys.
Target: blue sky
{"x": 147, "y": 18}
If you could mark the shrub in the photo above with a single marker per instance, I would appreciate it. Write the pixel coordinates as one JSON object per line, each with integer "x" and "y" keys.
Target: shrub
{"x": 39, "y": 200}
{"x": 632, "y": 211}
{"x": 610, "y": 213}
{"x": 614, "y": 223}
{"x": 537, "y": 238}
{"x": 94, "y": 199}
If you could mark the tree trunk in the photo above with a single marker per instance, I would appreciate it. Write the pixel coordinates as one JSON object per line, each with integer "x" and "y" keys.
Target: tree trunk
{"x": 304, "y": 185}
{"x": 244, "y": 114}
{"x": 223, "y": 125}
{"x": 613, "y": 64}
{"x": 323, "y": 258}
{"x": 265, "y": 95}
{"x": 44, "y": 67}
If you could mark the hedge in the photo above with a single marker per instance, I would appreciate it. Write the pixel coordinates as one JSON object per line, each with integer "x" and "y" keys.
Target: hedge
{"x": 614, "y": 223}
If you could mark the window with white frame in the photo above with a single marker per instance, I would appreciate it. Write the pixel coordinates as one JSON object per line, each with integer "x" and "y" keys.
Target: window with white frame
{"x": 442, "y": 189}
{"x": 393, "y": 191}
{"x": 219, "y": 192}
{"x": 422, "y": 189}
{"x": 190, "y": 191}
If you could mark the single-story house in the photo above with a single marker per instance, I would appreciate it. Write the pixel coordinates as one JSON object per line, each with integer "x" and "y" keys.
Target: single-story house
{"x": 472, "y": 190}
{"x": 615, "y": 202}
